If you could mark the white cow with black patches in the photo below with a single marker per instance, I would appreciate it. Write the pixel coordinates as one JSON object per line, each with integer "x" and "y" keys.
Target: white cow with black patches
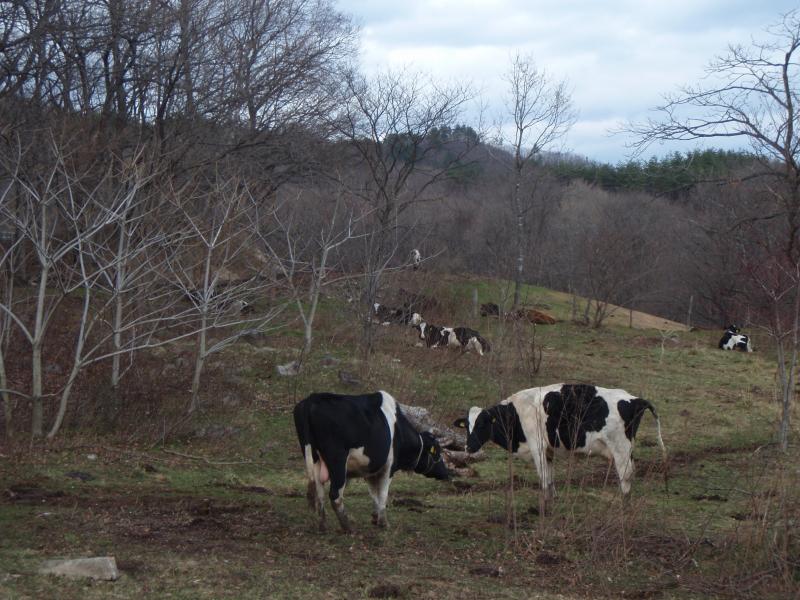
{"x": 580, "y": 418}
{"x": 365, "y": 436}
{"x": 732, "y": 339}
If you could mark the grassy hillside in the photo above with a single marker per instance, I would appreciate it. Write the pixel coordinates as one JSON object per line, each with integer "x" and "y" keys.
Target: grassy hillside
{"x": 219, "y": 510}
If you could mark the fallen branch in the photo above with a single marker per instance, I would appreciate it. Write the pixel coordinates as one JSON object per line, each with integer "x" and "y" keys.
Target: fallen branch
{"x": 207, "y": 461}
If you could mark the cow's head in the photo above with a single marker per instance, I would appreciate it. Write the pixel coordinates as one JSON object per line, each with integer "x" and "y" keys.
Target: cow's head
{"x": 431, "y": 462}
{"x": 732, "y": 329}
{"x": 496, "y": 423}
{"x": 416, "y": 319}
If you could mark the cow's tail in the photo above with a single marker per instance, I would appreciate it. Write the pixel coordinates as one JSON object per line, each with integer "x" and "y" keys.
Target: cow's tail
{"x": 652, "y": 409}
{"x": 302, "y": 425}
{"x": 485, "y": 346}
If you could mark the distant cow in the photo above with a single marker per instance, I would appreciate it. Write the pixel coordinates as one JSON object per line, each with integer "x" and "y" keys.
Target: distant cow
{"x": 416, "y": 259}
{"x": 576, "y": 417}
{"x": 532, "y": 315}
{"x": 490, "y": 309}
{"x": 466, "y": 338}
{"x": 386, "y": 315}
{"x": 365, "y": 436}
{"x": 733, "y": 340}
{"x": 432, "y": 334}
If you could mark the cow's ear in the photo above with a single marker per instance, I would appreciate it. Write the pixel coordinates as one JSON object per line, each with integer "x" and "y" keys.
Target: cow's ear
{"x": 462, "y": 423}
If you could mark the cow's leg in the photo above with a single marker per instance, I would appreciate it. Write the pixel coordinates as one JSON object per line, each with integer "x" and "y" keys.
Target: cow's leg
{"x": 379, "y": 490}
{"x": 623, "y": 461}
{"x": 315, "y": 492}
{"x": 338, "y": 472}
{"x": 544, "y": 468}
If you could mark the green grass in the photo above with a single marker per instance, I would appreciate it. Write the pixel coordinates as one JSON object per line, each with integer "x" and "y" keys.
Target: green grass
{"x": 183, "y": 527}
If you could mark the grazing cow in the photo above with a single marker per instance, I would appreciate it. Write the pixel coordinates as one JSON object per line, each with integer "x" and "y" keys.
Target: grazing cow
{"x": 490, "y": 309}
{"x": 416, "y": 259}
{"x": 433, "y": 335}
{"x": 401, "y": 316}
{"x": 360, "y": 436}
{"x": 466, "y": 338}
{"x": 576, "y": 417}
{"x": 733, "y": 340}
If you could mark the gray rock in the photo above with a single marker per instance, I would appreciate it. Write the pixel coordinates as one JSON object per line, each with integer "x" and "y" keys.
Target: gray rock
{"x": 289, "y": 369}
{"x": 230, "y": 399}
{"x": 99, "y": 567}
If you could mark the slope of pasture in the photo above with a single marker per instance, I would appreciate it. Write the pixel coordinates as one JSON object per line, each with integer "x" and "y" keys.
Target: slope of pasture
{"x": 225, "y": 516}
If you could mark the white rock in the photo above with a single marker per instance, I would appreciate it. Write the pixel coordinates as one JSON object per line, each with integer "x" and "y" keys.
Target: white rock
{"x": 98, "y": 567}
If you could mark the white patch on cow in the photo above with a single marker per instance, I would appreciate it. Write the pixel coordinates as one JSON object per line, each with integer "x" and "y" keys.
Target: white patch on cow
{"x": 389, "y": 408}
{"x": 450, "y": 337}
{"x": 736, "y": 340}
{"x": 422, "y": 327}
{"x": 375, "y": 307}
{"x": 357, "y": 462}
{"x": 473, "y": 416}
{"x": 475, "y": 344}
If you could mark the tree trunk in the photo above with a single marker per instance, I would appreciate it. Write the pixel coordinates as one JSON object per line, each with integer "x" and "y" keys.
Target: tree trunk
{"x": 37, "y": 415}
{"x": 8, "y": 407}
{"x": 520, "y": 231}
{"x": 199, "y": 363}
{"x": 119, "y": 284}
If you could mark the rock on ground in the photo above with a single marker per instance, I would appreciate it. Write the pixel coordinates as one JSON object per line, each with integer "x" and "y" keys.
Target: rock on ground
{"x": 98, "y": 567}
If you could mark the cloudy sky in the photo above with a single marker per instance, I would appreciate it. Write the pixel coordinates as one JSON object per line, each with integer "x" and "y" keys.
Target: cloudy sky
{"x": 619, "y": 56}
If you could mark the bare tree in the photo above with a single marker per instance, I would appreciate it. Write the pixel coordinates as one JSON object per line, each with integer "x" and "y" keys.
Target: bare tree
{"x": 215, "y": 269}
{"x": 752, "y": 94}
{"x": 304, "y": 256}
{"x": 541, "y": 113}
{"x": 392, "y": 126}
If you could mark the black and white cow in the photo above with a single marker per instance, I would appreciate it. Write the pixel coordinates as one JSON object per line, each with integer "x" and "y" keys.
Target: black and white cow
{"x": 733, "y": 340}
{"x": 432, "y": 334}
{"x": 577, "y": 417}
{"x": 416, "y": 259}
{"x": 386, "y": 315}
{"x": 466, "y": 338}
{"x": 365, "y": 436}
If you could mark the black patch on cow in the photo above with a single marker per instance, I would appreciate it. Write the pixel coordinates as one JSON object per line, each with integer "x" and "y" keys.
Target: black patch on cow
{"x": 573, "y": 411}
{"x": 433, "y": 336}
{"x": 631, "y": 412}
{"x": 333, "y": 424}
{"x": 500, "y": 424}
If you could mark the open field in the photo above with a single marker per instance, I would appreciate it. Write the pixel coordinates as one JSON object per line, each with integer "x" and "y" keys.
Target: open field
{"x": 217, "y": 508}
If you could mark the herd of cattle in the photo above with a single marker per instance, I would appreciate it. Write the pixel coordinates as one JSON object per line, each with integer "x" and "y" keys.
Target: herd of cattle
{"x": 434, "y": 336}
{"x": 368, "y": 435}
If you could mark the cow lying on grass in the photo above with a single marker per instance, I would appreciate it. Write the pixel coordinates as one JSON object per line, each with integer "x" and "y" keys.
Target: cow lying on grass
{"x": 385, "y": 315}
{"x": 466, "y": 338}
{"x": 733, "y": 340}
{"x": 456, "y": 337}
{"x": 365, "y": 436}
{"x": 578, "y": 418}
